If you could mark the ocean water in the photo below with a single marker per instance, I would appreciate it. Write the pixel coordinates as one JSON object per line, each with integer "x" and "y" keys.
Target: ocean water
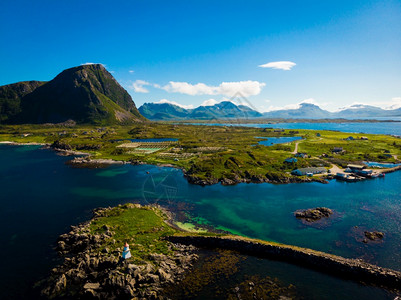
{"x": 41, "y": 197}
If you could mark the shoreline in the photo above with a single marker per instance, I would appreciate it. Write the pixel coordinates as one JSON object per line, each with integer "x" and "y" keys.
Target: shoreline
{"x": 84, "y": 160}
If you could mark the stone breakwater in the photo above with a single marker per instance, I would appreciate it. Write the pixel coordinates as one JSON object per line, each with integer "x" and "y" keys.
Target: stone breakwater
{"x": 91, "y": 271}
{"x": 354, "y": 269}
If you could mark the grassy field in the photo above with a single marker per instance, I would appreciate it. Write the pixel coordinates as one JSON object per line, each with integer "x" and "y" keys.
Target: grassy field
{"x": 213, "y": 152}
{"x": 142, "y": 228}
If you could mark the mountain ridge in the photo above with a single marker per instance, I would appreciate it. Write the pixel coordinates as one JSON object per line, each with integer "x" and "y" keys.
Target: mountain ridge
{"x": 87, "y": 94}
{"x": 229, "y": 110}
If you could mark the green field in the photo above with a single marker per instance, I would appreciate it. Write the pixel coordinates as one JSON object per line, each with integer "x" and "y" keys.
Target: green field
{"x": 213, "y": 153}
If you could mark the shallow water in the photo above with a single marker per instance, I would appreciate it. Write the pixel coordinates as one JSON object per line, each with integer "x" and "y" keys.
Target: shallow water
{"x": 308, "y": 284}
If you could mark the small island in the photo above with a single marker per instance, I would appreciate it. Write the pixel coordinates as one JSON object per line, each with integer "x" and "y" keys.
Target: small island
{"x": 373, "y": 236}
{"x": 313, "y": 214}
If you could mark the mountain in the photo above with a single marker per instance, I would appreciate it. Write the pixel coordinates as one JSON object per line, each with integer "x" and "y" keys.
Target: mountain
{"x": 10, "y": 97}
{"x": 222, "y": 110}
{"x": 163, "y": 111}
{"x": 305, "y": 111}
{"x": 358, "y": 111}
{"x": 311, "y": 111}
{"x": 87, "y": 94}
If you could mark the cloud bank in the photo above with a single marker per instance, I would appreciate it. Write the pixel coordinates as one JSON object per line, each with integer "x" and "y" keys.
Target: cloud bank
{"x": 174, "y": 103}
{"x": 139, "y": 86}
{"x": 280, "y": 65}
{"x": 245, "y": 88}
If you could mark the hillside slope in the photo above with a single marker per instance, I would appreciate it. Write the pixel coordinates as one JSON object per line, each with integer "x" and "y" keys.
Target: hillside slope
{"x": 87, "y": 94}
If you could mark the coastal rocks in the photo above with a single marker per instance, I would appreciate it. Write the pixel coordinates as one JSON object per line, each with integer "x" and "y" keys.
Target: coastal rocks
{"x": 58, "y": 145}
{"x": 373, "y": 236}
{"x": 367, "y": 236}
{"x": 93, "y": 271}
{"x": 87, "y": 162}
{"x": 249, "y": 178}
{"x": 313, "y": 214}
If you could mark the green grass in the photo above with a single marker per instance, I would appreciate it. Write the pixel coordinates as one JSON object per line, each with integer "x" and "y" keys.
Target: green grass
{"x": 143, "y": 228}
{"x": 236, "y": 156}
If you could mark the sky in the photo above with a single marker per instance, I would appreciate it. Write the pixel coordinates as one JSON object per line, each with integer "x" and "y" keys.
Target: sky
{"x": 271, "y": 54}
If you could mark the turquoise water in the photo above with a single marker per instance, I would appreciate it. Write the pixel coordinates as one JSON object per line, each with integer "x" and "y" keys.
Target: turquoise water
{"x": 381, "y": 165}
{"x": 277, "y": 140}
{"x": 41, "y": 197}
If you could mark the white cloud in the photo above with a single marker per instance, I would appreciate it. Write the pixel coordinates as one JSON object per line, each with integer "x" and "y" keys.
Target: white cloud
{"x": 209, "y": 102}
{"x": 394, "y": 103}
{"x": 281, "y": 65}
{"x": 131, "y": 71}
{"x": 138, "y": 86}
{"x": 91, "y": 63}
{"x": 296, "y": 105}
{"x": 174, "y": 103}
{"x": 245, "y": 88}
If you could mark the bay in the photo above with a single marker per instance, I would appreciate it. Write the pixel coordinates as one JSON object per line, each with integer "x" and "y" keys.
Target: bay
{"x": 41, "y": 197}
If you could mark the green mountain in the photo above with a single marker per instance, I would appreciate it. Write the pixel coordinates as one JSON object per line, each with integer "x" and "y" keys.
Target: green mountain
{"x": 163, "y": 111}
{"x": 87, "y": 94}
{"x": 10, "y": 98}
{"x": 222, "y": 110}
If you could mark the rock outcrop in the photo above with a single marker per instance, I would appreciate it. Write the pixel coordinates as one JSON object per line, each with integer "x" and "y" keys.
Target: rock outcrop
{"x": 88, "y": 273}
{"x": 313, "y": 214}
{"x": 373, "y": 236}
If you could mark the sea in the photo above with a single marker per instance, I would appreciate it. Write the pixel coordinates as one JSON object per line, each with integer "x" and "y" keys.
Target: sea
{"x": 41, "y": 197}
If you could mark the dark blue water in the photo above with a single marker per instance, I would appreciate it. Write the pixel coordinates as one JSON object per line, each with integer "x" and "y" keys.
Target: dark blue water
{"x": 277, "y": 140}
{"x": 41, "y": 196}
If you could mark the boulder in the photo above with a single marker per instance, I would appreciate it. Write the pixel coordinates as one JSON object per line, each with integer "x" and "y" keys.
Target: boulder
{"x": 92, "y": 286}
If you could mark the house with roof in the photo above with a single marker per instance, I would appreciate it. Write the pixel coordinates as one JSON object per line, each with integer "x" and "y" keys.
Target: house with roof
{"x": 309, "y": 171}
{"x": 291, "y": 160}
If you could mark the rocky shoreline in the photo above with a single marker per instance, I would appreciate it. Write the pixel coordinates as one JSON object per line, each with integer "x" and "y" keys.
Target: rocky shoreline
{"x": 88, "y": 273}
{"x": 193, "y": 179}
{"x": 85, "y": 161}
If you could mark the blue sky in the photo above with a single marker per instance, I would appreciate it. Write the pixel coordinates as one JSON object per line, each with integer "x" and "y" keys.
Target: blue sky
{"x": 190, "y": 52}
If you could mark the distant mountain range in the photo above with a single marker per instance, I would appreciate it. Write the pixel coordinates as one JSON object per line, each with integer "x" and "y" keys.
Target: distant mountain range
{"x": 87, "y": 94}
{"x": 222, "y": 110}
{"x": 229, "y": 110}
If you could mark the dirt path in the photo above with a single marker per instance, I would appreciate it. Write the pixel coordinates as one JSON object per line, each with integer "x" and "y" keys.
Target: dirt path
{"x": 296, "y": 148}
{"x": 336, "y": 169}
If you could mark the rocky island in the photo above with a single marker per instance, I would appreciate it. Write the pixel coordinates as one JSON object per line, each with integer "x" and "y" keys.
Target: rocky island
{"x": 313, "y": 214}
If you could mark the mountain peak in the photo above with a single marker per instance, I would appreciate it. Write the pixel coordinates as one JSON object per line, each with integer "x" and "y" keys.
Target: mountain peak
{"x": 85, "y": 94}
